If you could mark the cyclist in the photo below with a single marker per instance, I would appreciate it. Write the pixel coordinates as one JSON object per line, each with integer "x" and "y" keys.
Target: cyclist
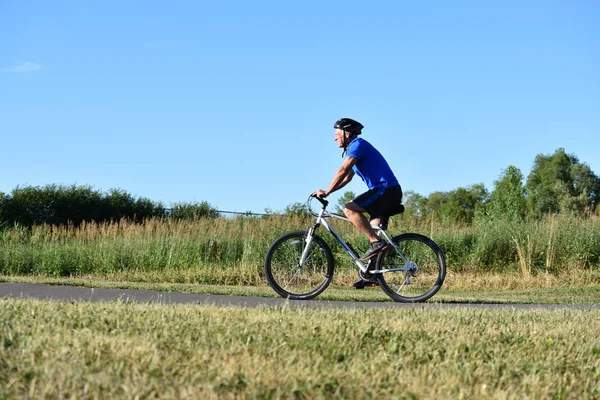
{"x": 384, "y": 191}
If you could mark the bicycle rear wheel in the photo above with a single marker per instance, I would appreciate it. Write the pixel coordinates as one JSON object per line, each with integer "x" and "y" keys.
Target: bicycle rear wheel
{"x": 287, "y": 277}
{"x": 421, "y": 277}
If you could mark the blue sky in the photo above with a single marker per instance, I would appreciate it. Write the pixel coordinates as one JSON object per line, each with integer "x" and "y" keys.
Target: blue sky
{"x": 233, "y": 102}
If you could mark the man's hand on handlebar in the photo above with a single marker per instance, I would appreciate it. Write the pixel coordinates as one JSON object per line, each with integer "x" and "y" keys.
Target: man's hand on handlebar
{"x": 320, "y": 194}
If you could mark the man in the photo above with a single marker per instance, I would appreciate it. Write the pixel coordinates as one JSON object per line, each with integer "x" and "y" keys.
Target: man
{"x": 384, "y": 191}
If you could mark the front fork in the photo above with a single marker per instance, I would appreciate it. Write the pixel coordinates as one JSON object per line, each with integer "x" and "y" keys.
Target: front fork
{"x": 308, "y": 240}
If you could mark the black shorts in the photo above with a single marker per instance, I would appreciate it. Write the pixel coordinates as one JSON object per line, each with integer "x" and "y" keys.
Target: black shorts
{"x": 378, "y": 202}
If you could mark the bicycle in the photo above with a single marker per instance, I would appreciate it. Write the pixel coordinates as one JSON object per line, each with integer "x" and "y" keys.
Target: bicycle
{"x": 299, "y": 265}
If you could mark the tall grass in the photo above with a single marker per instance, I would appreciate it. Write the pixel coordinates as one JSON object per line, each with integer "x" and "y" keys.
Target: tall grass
{"x": 231, "y": 251}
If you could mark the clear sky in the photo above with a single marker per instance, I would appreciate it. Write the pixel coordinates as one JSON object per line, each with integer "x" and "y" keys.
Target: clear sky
{"x": 233, "y": 102}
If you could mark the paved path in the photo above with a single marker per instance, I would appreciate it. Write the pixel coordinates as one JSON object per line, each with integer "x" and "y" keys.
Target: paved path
{"x": 77, "y": 293}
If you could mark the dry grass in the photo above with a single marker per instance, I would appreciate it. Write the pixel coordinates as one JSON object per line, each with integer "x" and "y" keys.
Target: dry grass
{"x": 59, "y": 350}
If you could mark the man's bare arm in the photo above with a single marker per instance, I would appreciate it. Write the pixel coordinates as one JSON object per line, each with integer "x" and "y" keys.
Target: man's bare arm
{"x": 343, "y": 175}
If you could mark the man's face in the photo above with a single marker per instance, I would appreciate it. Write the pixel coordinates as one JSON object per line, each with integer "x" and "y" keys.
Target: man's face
{"x": 339, "y": 137}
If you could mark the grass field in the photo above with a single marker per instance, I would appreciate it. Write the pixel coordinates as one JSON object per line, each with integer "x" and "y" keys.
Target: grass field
{"x": 108, "y": 350}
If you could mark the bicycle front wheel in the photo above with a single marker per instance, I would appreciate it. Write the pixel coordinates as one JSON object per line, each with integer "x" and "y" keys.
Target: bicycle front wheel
{"x": 290, "y": 279}
{"x": 420, "y": 268}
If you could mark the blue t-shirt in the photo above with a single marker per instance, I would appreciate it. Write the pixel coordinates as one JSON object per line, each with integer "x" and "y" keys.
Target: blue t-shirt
{"x": 371, "y": 166}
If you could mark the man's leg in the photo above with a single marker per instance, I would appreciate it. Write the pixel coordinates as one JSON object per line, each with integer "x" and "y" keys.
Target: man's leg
{"x": 355, "y": 215}
{"x": 367, "y": 202}
{"x": 375, "y": 221}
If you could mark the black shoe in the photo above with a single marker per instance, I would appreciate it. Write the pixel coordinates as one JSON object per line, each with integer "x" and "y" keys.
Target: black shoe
{"x": 374, "y": 249}
{"x": 363, "y": 283}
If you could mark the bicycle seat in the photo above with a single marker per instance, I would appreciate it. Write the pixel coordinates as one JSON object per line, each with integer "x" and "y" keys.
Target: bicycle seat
{"x": 395, "y": 210}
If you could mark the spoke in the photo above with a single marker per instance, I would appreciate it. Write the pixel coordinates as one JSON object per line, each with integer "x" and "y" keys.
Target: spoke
{"x": 300, "y": 249}
{"x": 308, "y": 255}
{"x": 400, "y": 287}
{"x": 291, "y": 279}
{"x": 308, "y": 258}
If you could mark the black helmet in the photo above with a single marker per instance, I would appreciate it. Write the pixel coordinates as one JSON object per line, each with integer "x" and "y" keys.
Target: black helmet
{"x": 349, "y": 125}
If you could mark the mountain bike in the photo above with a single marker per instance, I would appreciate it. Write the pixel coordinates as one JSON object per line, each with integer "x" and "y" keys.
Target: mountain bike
{"x": 299, "y": 265}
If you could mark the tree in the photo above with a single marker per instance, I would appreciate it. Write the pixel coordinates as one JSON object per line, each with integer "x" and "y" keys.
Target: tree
{"x": 560, "y": 183}
{"x": 3, "y": 217}
{"x": 415, "y": 204}
{"x": 192, "y": 211}
{"x": 62, "y": 205}
{"x": 507, "y": 200}
{"x": 346, "y": 198}
{"x": 296, "y": 209}
{"x": 462, "y": 203}
{"x": 434, "y": 203}
{"x": 457, "y": 206}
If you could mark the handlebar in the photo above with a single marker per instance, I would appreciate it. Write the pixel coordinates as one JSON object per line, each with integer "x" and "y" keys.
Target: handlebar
{"x": 322, "y": 201}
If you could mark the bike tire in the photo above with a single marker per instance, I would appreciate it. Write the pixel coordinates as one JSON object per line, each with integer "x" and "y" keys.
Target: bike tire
{"x": 417, "y": 285}
{"x": 306, "y": 282}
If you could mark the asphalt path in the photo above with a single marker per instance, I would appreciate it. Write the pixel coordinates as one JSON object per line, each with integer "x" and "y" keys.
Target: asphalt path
{"x": 78, "y": 293}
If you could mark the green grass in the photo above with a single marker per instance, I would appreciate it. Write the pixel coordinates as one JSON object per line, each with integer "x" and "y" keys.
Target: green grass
{"x": 579, "y": 295}
{"x": 115, "y": 350}
{"x": 554, "y": 295}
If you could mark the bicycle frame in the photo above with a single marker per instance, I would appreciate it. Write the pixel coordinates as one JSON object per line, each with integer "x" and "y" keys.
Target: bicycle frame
{"x": 322, "y": 220}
